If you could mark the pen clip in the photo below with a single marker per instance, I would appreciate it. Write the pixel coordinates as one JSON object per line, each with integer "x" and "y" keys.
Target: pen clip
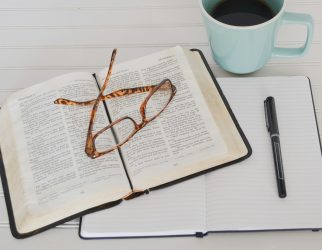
{"x": 266, "y": 114}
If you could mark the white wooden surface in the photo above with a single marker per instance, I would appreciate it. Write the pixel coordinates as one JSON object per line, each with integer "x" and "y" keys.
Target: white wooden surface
{"x": 40, "y": 39}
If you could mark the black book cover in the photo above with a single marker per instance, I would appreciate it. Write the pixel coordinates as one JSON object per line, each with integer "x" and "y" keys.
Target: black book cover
{"x": 6, "y": 190}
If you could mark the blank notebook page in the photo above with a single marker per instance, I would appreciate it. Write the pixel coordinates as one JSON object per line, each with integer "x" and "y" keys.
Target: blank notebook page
{"x": 245, "y": 197}
{"x": 242, "y": 196}
{"x": 179, "y": 210}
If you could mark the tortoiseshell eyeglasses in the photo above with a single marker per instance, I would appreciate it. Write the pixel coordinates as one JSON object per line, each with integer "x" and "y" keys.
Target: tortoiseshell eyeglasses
{"x": 157, "y": 100}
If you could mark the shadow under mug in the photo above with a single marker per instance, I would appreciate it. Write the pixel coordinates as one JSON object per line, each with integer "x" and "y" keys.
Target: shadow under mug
{"x": 245, "y": 49}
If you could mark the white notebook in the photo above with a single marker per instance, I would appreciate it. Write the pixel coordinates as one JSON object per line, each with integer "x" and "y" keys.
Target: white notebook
{"x": 242, "y": 197}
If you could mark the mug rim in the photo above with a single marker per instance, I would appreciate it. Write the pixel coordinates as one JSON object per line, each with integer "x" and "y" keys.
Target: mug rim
{"x": 242, "y": 27}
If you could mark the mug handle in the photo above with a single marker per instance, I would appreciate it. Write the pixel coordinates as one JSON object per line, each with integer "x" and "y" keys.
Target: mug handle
{"x": 296, "y": 18}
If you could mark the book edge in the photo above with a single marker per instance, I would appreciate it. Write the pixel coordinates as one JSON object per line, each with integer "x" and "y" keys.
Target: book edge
{"x": 238, "y": 127}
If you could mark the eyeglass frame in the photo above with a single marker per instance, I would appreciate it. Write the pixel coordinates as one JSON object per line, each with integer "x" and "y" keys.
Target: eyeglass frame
{"x": 90, "y": 148}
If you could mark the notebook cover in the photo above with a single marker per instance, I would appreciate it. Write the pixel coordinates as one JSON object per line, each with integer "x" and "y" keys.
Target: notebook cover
{"x": 200, "y": 234}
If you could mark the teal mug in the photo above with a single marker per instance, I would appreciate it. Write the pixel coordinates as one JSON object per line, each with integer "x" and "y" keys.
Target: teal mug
{"x": 245, "y": 49}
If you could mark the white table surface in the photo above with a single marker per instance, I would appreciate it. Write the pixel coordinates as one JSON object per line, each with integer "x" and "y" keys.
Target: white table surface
{"x": 40, "y": 39}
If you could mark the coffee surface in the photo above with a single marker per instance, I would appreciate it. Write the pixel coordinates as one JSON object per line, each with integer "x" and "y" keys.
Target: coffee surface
{"x": 242, "y": 12}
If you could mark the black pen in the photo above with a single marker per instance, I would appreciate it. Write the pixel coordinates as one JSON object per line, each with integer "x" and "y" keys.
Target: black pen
{"x": 272, "y": 126}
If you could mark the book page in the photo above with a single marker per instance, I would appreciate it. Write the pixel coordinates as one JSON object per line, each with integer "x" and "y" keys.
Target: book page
{"x": 170, "y": 146}
{"x": 245, "y": 196}
{"x": 48, "y": 142}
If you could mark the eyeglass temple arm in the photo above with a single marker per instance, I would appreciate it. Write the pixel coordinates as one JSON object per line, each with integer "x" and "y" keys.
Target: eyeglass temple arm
{"x": 90, "y": 146}
{"x": 117, "y": 93}
{"x": 100, "y": 96}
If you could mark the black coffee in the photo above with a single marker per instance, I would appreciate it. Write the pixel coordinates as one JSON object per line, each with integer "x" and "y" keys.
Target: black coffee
{"x": 242, "y": 12}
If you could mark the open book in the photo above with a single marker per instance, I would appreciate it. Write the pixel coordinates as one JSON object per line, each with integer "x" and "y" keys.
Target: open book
{"x": 243, "y": 198}
{"x": 47, "y": 177}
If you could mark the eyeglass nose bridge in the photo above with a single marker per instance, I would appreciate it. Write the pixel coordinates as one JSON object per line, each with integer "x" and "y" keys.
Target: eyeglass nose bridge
{"x": 136, "y": 125}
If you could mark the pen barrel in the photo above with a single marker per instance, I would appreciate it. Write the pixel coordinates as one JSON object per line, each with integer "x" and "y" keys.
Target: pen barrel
{"x": 278, "y": 162}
